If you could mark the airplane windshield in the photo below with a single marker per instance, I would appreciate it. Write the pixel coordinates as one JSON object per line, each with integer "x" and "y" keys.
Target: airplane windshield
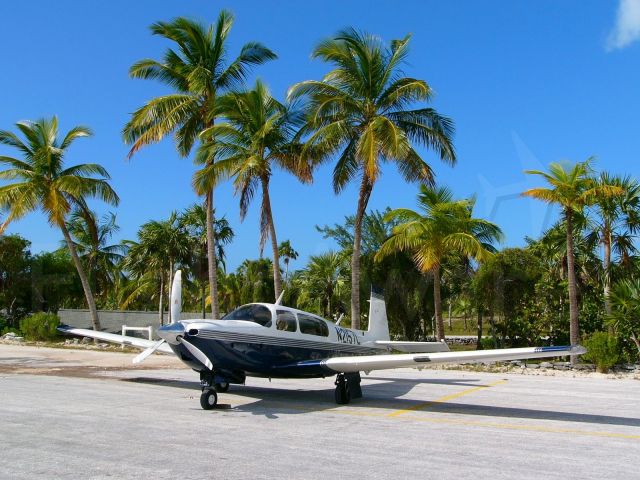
{"x": 252, "y": 313}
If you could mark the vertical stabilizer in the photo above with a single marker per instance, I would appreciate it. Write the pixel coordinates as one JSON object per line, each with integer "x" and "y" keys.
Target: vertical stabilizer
{"x": 176, "y": 297}
{"x": 378, "y": 324}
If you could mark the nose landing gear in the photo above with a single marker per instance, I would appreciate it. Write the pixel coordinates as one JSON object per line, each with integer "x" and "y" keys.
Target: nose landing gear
{"x": 208, "y": 399}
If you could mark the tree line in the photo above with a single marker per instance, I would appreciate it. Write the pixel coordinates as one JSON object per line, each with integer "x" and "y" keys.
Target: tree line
{"x": 364, "y": 112}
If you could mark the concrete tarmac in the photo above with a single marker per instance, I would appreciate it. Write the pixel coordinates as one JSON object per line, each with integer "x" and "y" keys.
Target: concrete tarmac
{"x": 90, "y": 415}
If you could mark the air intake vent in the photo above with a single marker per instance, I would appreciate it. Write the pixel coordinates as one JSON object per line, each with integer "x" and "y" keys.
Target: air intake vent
{"x": 193, "y": 332}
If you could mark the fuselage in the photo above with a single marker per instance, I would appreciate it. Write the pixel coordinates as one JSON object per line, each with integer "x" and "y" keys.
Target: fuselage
{"x": 262, "y": 339}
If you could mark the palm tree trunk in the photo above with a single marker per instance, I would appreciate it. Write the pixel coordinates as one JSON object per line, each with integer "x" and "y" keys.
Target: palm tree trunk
{"x": 363, "y": 200}
{"x": 636, "y": 341}
{"x": 437, "y": 303}
{"x": 202, "y": 301}
{"x": 573, "y": 292}
{"x": 202, "y": 279}
{"x": 266, "y": 206}
{"x": 211, "y": 256}
{"x": 479, "y": 344}
{"x": 170, "y": 278}
{"x": 91, "y": 303}
{"x": 161, "y": 300}
{"x": 607, "y": 270}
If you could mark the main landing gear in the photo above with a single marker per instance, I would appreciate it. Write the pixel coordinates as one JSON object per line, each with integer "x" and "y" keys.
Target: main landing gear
{"x": 347, "y": 387}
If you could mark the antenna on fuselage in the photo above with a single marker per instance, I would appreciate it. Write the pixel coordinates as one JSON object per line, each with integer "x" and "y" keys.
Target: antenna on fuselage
{"x": 340, "y": 319}
{"x": 279, "y": 300}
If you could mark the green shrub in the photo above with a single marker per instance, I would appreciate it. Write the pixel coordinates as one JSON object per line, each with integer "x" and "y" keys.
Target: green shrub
{"x": 603, "y": 350}
{"x": 40, "y": 326}
{"x": 488, "y": 343}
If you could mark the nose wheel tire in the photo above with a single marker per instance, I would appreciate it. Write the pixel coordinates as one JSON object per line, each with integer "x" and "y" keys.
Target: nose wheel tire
{"x": 208, "y": 399}
{"x": 221, "y": 387}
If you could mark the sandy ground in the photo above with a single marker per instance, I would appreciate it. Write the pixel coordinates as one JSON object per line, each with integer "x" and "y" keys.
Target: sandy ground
{"x": 76, "y": 361}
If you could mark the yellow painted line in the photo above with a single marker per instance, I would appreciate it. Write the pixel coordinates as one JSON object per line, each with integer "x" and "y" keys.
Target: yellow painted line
{"x": 531, "y": 428}
{"x": 466, "y": 423}
{"x": 446, "y": 398}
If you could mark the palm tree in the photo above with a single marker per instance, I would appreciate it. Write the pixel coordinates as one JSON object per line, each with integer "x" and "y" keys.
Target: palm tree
{"x": 194, "y": 220}
{"x": 198, "y": 72}
{"x": 286, "y": 251}
{"x": 145, "y": 278}
{"x": 323, "y": 281}
{"x": 616, "y": 224}
{"x": 625, "y": 313}
{"x": 255, "y": 138}
{"x": 43, "y": 182}
{"x": 443, "y": 226}
{"x": 360, "y": 111}
{"x": 161, "y": 247}
{"x": 91, "y": 238}
{"x": 572, "y": 187}
{"x": 464, "y": 307}
{"x": 253, "y": 280}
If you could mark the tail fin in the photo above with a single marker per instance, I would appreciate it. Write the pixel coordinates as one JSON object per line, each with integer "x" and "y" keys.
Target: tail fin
{"x": 378, "y": 324}
{"x": 176, "y": 297}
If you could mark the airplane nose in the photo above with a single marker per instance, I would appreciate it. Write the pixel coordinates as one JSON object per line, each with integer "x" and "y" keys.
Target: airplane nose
{"x": 170, "y": 332}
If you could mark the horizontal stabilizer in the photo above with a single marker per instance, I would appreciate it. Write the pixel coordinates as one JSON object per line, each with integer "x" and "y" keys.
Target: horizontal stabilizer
{"x": 414, "y": 347}
{"x": 115, "y": 338}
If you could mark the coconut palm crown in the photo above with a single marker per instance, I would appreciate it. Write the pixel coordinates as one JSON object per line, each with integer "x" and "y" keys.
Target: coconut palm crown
{"x": 40, "y": 180}
{"x": 572, "y": 187}
{"x": 197, "y": 69}
{"x": 442, "y": 227}
{"x": 361, "y": 113}
{"x": 255, "y": 138}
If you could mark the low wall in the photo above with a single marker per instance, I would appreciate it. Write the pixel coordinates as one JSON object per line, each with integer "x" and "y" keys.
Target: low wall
{"x": 112, "y": 320}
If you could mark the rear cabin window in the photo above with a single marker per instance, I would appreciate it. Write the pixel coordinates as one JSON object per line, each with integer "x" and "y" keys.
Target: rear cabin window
{"x": 252, "y": 313}
{"x": 286, "y": 321}
{"x": 313, "y": 325}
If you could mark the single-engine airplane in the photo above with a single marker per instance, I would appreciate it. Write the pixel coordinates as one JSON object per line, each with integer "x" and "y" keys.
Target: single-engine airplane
{"x": 275, "y": 341}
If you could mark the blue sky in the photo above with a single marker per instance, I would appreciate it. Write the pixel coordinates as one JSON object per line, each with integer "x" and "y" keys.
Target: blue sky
{"x": 526, "y": 83}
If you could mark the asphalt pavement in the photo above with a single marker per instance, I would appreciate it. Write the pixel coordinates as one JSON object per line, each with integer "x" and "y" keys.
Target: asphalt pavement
{"x": 95, "y": 417}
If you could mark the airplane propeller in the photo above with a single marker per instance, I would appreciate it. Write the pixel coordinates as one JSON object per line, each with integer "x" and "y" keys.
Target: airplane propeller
{"x": 196, "y": 352}
{"x": 143, "y": 356}
{"x": 176, "y": 308}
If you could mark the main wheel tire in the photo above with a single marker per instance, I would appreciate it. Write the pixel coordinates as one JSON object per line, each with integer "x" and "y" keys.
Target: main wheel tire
{"x": 208, "y": 399}
{"x": 343, "y": 395}
{"x": 221, "y": 387}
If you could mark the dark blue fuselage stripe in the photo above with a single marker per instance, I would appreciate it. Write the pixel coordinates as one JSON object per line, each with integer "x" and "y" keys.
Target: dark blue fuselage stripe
{"x": 297, "y": 342}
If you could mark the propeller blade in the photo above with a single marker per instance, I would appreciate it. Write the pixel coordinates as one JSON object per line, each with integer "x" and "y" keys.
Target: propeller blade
{"x": 197, "y": 353}
{"x": 176, "y": 297}
{"x": 143, "y": 356}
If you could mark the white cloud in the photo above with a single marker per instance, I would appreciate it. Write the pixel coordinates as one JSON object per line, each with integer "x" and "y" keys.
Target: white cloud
{"x": 627, "y": 28}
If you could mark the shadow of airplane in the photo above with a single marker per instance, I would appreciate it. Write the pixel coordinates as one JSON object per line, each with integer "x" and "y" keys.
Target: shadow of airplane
{"x": 272, "y": 402}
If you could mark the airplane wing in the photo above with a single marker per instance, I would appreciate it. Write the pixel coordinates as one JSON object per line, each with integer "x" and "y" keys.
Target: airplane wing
{"x": 115, "y": 338}
{"x": 384, "y": 362}
{"x": 414, "y": 347}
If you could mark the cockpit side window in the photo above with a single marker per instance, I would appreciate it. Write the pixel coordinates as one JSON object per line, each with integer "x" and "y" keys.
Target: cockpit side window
{"x": 252, "y": 313}
{"x": 313, "y": 325}
{"x": 286, "y": 321}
